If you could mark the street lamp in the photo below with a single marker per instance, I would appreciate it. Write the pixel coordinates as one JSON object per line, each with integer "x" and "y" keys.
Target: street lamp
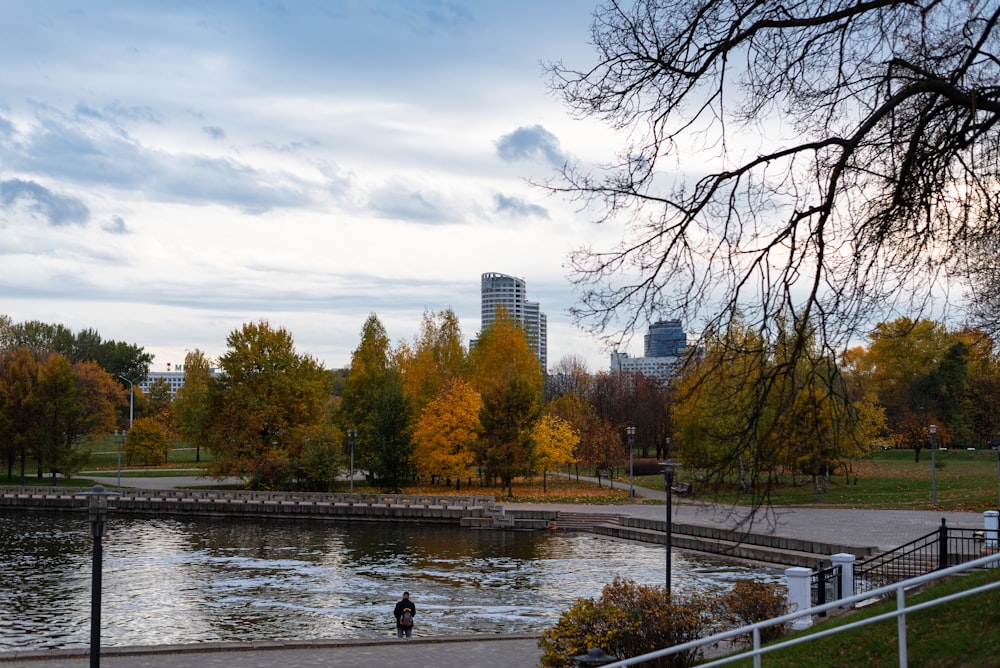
{"x": 131, "y": 399}
{"x": 120, "y": 442}
{"x": 98, "y": 511}
{"x": 631, "y": 442}
{"x": 933, "y": 430}
{"x": 669, "y": 468}
{"x": 352, "y": 436}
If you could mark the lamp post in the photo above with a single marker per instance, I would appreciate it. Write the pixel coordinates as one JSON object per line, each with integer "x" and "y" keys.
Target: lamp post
{"x": 120, "y": 442}
{"x": 98, "y": 512}
{"x": 131, "y": 399}
{"x": 631, "y": 443}
{"x": 933, "y": 430}
{"x": 669, "y": 468}
{"x": 352, "y": 435}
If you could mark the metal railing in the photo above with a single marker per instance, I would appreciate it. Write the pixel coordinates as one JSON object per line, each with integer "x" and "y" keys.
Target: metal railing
{"x": 897, "y": 591}
{"x": 826, "y": 584}
{"x": 943, "y": 547}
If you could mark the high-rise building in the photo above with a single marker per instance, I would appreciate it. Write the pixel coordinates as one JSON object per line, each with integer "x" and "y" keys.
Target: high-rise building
{"x": 666, "y": 338}
{"x": 511, "y": 293}
{"x": 663, "y": 347}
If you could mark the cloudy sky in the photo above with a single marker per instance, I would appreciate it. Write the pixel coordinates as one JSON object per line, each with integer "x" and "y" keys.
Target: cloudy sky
{"x": 170, "y": 171}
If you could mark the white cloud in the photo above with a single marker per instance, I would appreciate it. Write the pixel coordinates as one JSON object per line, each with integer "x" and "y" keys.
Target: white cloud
{"x": 305, "y": 164}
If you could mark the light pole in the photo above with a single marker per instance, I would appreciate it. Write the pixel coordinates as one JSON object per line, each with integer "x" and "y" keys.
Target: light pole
{"x": 131, "y": 399}
{"x": 352, "y": 435}
{"x": 669, "y": 468}
{"x": 98, "y": 511}
{"x": 933, "y": 430}
{"x": 120, "y": 442}
{"x": 631, "y": 443}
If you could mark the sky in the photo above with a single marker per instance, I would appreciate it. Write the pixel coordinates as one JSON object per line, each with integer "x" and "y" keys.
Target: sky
{"x": 170, "y": 171}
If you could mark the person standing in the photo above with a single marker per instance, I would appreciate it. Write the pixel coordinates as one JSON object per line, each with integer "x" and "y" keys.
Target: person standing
{"x": 404, "y": 612}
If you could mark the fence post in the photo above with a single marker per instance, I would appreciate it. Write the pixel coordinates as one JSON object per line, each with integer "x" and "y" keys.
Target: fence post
{"x": 798, "y": 594}
{"x": 943, "y": 545}
{"x": 846, "y": 563}
{"x": 991, "y": 524}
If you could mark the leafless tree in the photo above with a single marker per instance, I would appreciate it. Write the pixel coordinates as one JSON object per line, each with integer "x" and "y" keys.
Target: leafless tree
{"x": 837, "y": 159}
{"x": 825, "y": 163}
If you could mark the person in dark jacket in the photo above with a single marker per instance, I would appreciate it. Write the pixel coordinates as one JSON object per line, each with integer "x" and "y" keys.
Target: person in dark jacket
{"x": 403, "y": 629}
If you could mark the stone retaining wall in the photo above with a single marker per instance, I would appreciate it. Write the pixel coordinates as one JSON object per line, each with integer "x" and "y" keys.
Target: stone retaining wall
{"x": 221, "y": 503}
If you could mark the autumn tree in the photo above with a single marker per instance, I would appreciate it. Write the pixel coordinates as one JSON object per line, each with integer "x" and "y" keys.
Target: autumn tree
{"x": 58, "y": 415}
{"x": 147, "y": 442}
{"x": 847, "y": 156}
{"x": 445, "y": 434}
{"x": 435, "y": 360}
{"x": 100, "y": 397}
{"x": 17, "y": 387}
{"x": 555, "y": 443}
{"x": 509, "y": 378}
{"x": 265, "y": 405}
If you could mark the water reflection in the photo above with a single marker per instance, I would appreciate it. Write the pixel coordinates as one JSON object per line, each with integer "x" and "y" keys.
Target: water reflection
{"x": 191, "y": 580}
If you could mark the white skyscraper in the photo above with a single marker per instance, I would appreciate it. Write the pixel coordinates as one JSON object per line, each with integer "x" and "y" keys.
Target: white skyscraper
{"x": 511, "y": 293}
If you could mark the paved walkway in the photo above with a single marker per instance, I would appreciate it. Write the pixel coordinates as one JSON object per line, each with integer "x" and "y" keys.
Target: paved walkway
{"x": 883, "y": 529}
{"x": 518, "y": 651}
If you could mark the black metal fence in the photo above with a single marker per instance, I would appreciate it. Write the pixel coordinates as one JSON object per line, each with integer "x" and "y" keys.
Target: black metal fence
{"x": 826, "y": 584}
{"x": 946, "y": 546}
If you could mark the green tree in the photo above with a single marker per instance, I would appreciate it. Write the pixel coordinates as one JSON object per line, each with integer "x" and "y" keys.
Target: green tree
{"x": 191, "y": 402}
{"x": 371, "y": 363}
{"x": 268, "y": 401}
{"x": 389, "y": 431}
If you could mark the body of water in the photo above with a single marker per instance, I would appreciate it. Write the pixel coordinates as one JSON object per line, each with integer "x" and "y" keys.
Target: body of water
{"x": 198, "y": 580}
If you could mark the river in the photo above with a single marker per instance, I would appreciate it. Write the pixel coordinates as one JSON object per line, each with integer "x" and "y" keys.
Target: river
{"x": 195, "y": 580}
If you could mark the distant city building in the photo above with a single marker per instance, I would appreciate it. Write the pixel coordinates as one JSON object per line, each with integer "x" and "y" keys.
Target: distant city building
{"x": 511, "y": 293}
{"x": 666, "y": 338}
{"x": 174, "y": 378}
{"x": 664, "y": 345}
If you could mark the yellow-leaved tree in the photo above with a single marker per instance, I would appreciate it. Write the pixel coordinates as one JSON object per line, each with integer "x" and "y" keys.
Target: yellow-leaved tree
{"x": 446, "y": 432}
{"x": 509, "y": 377}
{"x": 555, "y": 444}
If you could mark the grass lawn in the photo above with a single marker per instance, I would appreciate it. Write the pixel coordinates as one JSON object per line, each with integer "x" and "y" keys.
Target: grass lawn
{"x": 960, "y": 633}
{"x": 965, "y": 481}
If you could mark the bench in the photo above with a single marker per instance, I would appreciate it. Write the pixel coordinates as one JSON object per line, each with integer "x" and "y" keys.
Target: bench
{"x": 682, "y": 488}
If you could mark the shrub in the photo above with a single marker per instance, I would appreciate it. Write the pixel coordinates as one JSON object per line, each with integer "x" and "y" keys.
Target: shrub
{"x": 628, "y": 620}
{"x": 749, "y": 602}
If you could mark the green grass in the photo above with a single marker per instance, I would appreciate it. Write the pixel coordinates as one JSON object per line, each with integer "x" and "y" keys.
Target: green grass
{"x": 965, "y": 632}
{"x": 965, "y": 481}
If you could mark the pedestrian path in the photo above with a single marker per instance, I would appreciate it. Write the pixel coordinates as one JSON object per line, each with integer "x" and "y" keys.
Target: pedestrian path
{"x": 467, "y": 652}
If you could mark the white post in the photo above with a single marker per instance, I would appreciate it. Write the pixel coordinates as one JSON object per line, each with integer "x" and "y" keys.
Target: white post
{"x": 799, "y": 597}
{"x": 991, "y": 522}
{"x": 846, "y": 563}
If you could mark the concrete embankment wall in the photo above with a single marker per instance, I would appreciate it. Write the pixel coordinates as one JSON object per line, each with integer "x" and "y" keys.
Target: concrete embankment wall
{"x": 472, "y": 511}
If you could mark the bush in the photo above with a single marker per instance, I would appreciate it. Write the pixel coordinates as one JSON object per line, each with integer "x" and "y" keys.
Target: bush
{"x": 630, "y": 620}
{"x": 750, "y": 602}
